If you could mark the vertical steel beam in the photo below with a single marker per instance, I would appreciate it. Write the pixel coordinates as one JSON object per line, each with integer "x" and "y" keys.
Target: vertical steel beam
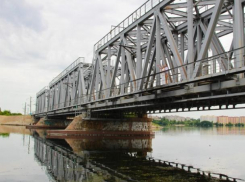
{"x": 158, "y": 50}
{"x": 70, "y": 89}
{"x": 43, "y": 103}
{"x": 67, "y": 91}
{"x": 122, "y": 79}
{"x": 139, "y": 55}
{"x": 48, "y": 99}
{"x": 73, "y": 90}
{"x": 59, "y": 93}
{"x": 83, "y": 86}
{"x": 238, "y": 32}
{"x": 91, "y": 89}
{"x": 127, "y": 79}
{"x": 199, "y": 39}
{"x": 190, "y": 38}
{"x": 53, "y": 99}
{"x": 182, "y": 45}
{"x": 108, "y": 74}
{"x": 39, "y": 104}
{"x": 97, "y": 82}
{"x": 64, "y": 92}
{"x": 76, "y": 93}
{"x": 55, "y": 96}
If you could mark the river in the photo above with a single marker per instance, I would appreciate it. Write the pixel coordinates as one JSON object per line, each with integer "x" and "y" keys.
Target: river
{"x": 173, "y": 154}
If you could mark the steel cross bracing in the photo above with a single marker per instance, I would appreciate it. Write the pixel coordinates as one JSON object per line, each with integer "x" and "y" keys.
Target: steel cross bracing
{"x": 170, "y": 51}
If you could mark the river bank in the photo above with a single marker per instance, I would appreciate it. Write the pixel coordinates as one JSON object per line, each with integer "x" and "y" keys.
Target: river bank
{"x": 16, "y": 120}
{"x": 155, "y": 126}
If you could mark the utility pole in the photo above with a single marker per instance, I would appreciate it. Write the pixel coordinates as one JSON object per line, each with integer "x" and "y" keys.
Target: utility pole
{"x": 25, "y": 108}
{"x": 30, "y": 105}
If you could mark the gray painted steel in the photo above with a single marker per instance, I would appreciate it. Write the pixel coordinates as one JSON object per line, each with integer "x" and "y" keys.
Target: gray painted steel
{"x": 167, "y": 56}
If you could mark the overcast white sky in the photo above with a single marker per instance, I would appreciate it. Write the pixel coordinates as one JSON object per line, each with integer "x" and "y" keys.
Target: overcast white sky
{"x": 38, "y": 39}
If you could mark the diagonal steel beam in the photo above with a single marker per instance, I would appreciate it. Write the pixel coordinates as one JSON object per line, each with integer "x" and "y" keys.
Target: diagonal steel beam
{"x": 148, "y": 53}
{"x": 115, "y": 69}
{"x": 173, "y": 45}
{"x": 150, "y": 66}
{"x": 208, "y": 36}
{"x": 130, "y": 64}
{"x": 216, "y": 44}
{"x": 171, "y": 63}
{"x": 102, "y": 73}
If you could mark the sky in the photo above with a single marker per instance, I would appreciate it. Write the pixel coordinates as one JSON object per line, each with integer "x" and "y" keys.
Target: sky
{"x": 39, "y": 39}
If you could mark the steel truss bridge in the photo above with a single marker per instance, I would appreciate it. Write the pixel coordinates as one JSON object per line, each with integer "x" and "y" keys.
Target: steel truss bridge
{"x": 167, "y": 56}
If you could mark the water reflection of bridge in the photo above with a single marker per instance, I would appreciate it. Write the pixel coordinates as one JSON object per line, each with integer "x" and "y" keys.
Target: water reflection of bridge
{"x": 83, "y": 160}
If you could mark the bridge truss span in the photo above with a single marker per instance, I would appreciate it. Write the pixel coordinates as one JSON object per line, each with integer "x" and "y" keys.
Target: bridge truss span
{"x": 167, "y": 55}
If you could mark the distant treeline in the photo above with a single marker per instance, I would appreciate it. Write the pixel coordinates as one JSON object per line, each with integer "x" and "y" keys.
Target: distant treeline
{"x": 8, "y": 113}
{"x": 192, "y": 122}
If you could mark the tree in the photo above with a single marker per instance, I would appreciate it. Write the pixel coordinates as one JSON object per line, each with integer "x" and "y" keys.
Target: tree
{"x": 206, "y": 124}
{"x": 8, "y": 113}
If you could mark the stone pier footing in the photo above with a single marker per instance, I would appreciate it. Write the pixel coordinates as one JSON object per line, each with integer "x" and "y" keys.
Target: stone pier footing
{"x": 47, "y": 123}
{"x": 94, "y": 127}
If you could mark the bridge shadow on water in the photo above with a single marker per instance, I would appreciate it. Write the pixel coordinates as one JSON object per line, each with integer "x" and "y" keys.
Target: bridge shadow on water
{"x": 112, "y": 160}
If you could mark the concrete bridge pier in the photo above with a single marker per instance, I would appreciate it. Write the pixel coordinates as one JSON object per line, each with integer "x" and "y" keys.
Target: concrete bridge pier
{"x": 130, "y": 124}
{"x": 50, "y": 123}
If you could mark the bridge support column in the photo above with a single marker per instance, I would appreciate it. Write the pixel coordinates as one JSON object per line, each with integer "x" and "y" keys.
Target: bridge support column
{"x": 126, "y": 126}
{"x": 50, "y": 123}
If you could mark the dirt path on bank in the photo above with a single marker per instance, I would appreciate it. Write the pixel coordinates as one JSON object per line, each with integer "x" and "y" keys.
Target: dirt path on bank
{"x": 15, "y": 120}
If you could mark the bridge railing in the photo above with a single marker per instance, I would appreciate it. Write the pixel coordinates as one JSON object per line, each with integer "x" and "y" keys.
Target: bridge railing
{"x": 142, "y": 10}
{"x": 70, "y": 67}
{"x": 209, "y": 67}
{"x": 42, "y": 90}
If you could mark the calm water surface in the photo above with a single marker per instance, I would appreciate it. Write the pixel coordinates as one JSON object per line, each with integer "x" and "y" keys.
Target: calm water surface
{"x": 27, "y": 156}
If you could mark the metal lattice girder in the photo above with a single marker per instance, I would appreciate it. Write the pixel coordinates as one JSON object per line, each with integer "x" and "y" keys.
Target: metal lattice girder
{"x": 69, "y": 89}
{"x": 164, "y": 42}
